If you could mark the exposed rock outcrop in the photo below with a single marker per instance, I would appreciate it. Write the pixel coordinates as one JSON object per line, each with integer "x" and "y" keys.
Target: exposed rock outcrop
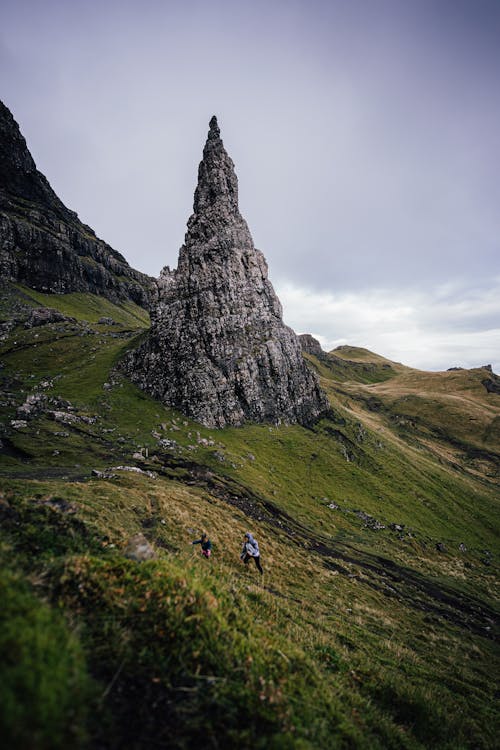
{"x": 492, "y": 384}
{"x": 41, "y": 316}
{"x": 310, "y": 345}
{"x": 43, "y": 244}
{"x": 218, "y": 348}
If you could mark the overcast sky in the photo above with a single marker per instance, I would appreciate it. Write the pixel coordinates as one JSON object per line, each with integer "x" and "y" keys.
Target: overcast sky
{"x": 365, "y": 134}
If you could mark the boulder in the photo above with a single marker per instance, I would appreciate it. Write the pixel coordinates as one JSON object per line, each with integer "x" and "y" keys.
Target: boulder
{"x": 139, "y": 549}
{"x": 40, "y": 316}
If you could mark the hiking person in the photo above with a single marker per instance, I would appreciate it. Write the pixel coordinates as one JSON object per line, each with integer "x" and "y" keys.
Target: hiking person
{"x": 206, "y": 545}
{"x": 251, "y": 551}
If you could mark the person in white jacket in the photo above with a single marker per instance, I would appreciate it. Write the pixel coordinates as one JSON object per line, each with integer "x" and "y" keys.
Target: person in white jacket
{"x": 251, "y": 551}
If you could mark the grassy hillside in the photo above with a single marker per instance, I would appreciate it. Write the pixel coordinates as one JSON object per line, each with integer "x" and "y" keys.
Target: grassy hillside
{"x": 353, "y": 364}
{"x": 375, "y": 623}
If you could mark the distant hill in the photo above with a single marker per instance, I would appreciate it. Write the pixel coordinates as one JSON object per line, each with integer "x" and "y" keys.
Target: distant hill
{"x": 455, "y": 414}
{"x": 43, "y": 244}
{"x": 349, "y": 363}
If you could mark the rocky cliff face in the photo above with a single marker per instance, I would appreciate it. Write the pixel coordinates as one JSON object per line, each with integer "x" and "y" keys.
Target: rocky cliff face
{"x": 43, "y": 244}
{"x": 218, "y": 348}
{"x": 310, "y": 345}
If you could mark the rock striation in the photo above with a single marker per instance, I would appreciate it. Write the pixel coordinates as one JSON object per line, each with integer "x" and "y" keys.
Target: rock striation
{"x": 218, "y": 349}
{"x": 310, "y": 345}
{"x": 43, "y": 244}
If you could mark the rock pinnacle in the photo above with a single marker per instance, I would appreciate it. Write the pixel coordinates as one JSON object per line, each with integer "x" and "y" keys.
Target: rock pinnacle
{"x": 216, "y": 195}
{"x": 218, "y": 349}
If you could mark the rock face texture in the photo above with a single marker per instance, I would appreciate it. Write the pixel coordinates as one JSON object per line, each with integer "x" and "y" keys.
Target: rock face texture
{"x": 310, "y": 345}
{"x": 218, "y": 348}
{"x": 43, "y": 244}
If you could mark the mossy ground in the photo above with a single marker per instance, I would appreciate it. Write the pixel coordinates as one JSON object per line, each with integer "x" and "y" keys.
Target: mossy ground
{"x": 354, "y": 637}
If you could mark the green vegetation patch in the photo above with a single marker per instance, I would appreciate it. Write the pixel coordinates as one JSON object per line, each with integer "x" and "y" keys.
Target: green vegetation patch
{"x": 45, "y": 690}
{"x": 182, "y": 650}
{"x": 89, "y": 307}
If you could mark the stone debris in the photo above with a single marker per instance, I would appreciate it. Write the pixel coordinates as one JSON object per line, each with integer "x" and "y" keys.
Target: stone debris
{"x": 205, "y": 442}
{"x": 218, "y": 349}
{"x": 107, "y": 321}
{"x": 349, "y": 457}
{"x": 167, "y": 444}
{"x": 64, "y": 417}
{"x": 103, "y": 474}
{"x": 397, "y": 527}
{"x": 370, "y": 521}
{"x": 136, "y": 470}
{"x": 62, "y": 403}
{"x": 88, "y": 420}
{"x": 41, "y": 316}
{"x": 18, "y": 424}
{"x": 67, "y": 418}
{"x": 32, "y": 406}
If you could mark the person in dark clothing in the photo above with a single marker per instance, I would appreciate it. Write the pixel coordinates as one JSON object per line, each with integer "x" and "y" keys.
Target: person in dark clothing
{"x": 251, "y": 551}
{"x": 206, "y": 545}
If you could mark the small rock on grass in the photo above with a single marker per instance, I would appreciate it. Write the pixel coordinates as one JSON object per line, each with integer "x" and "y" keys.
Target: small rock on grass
{"x": 138, "y": 548}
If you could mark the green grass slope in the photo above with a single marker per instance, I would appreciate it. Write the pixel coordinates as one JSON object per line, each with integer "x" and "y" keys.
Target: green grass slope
{"x": 353, "y": 364}
{"x": 375, "y": 623}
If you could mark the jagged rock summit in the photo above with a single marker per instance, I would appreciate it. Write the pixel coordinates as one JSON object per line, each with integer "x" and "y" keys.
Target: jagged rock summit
{"x": 43, "y": 244}
{"x": 218, "y": 348}
{"x": 310, "y": 345}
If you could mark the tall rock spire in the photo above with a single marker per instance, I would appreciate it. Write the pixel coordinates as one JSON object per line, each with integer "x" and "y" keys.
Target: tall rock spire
{"x": 218, "y": 348}
{"x": 217, "y": 188}
{"x": 215, "y": 206}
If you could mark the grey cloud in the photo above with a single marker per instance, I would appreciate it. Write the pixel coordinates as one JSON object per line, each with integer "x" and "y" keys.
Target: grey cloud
{"x": 435, "y": 329}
